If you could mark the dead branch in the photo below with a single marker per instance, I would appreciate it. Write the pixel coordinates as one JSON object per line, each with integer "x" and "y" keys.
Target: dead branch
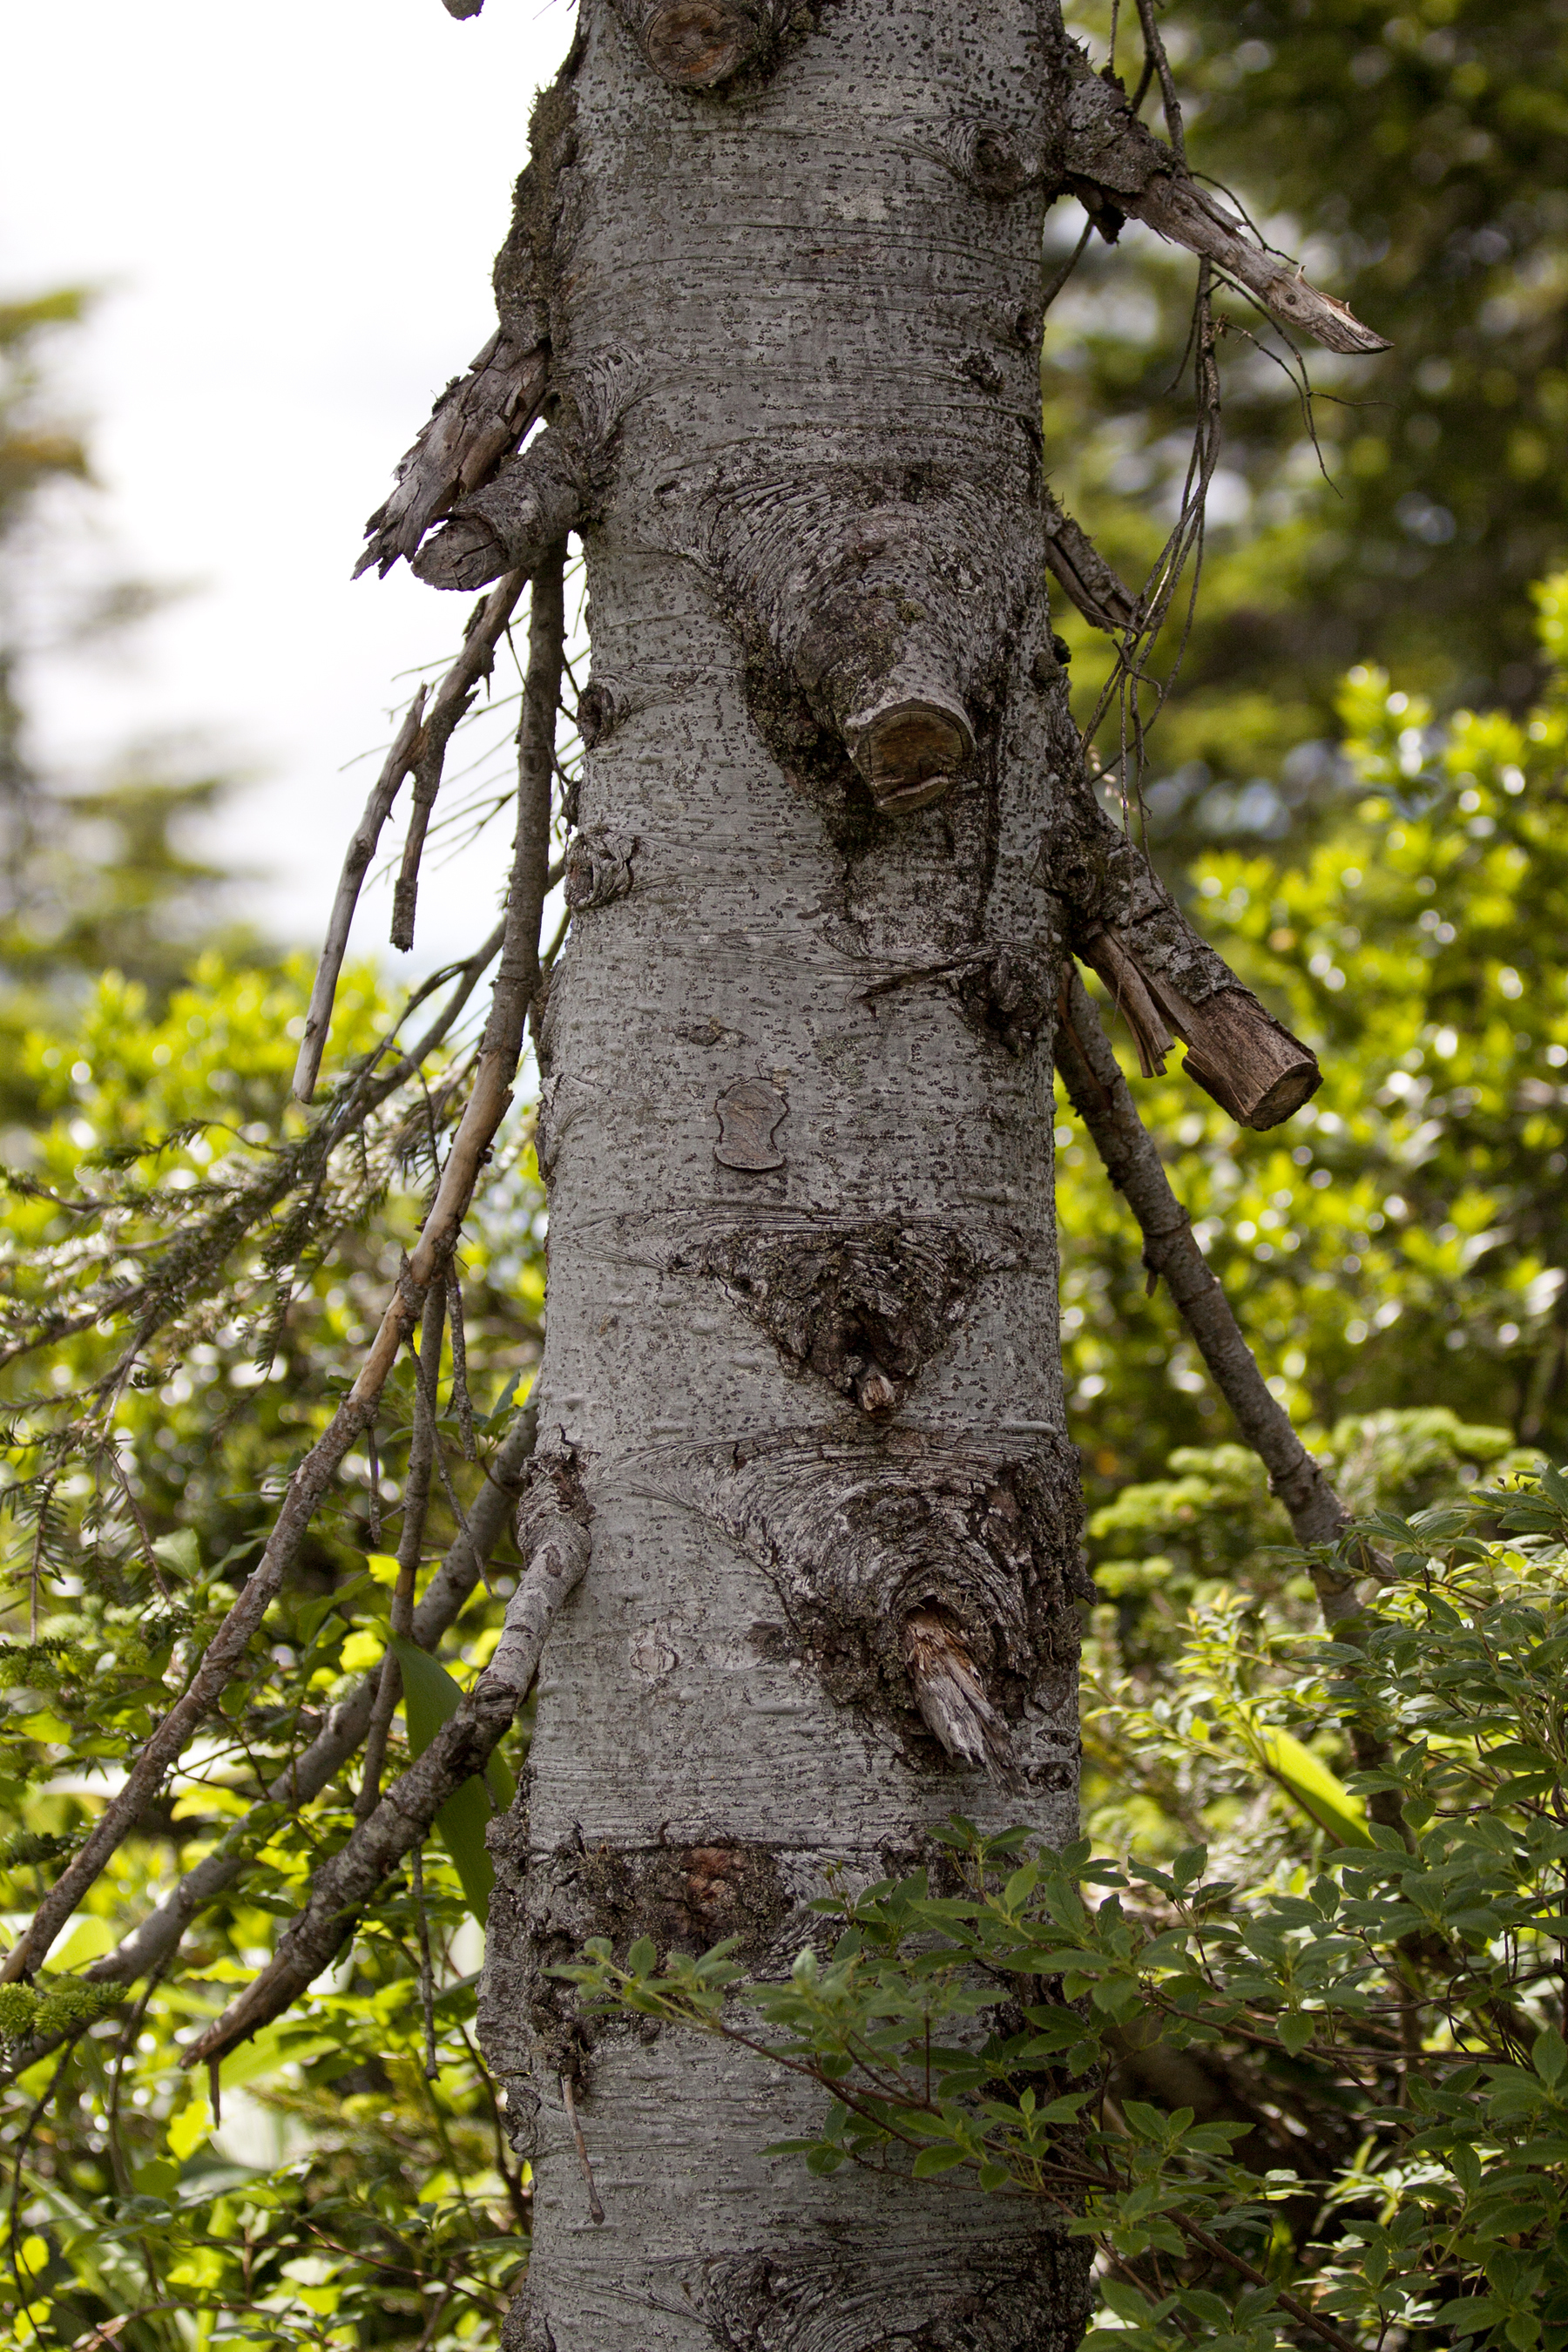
{"x": 1165, "y": 978}
{"x": 516, "y": 980}
{"x": 421, "y": 744}
{"x": 1077, "y": 564}
{"x": 1101, "y": 1096}
{"x": 480, "y": 421}
{"x": 1116, "y": 166}
{"x": 553, "y": 1534}
{"x": 530, "y": 502}
{"x": 411, "y": 1537}
{"x": 151, "y": 1946}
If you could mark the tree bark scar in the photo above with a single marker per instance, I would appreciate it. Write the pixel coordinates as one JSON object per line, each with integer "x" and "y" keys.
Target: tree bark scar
{"x": 750, "y": 1113}
{"x": 1014, "y": 2297}
{"x": 858, "y": 1535}
{"x": 862, "y": 1306}
{"x": 686, "y": 1897}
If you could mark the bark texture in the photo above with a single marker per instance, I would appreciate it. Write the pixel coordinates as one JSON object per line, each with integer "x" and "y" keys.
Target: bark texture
{"x": 796, "y": 1114}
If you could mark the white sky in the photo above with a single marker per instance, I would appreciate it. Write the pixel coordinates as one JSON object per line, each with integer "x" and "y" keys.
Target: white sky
{"x": 292, "y": 208}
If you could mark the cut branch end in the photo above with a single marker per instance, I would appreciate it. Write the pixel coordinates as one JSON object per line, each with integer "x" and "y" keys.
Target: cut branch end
{"x": 911, "y": 754}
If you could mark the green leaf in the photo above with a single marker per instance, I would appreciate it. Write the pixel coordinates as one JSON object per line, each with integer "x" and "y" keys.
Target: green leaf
{"x": 430, "y": 1698}
{"x": 1295, "y": 2032}
{"x": 1314, "y": 1788}
{"x": 1549, "y": 2056}
{"x": 936, "y": 2159}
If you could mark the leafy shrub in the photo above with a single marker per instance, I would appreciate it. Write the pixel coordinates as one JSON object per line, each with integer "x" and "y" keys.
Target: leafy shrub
{"x": 1369, "y": 2129}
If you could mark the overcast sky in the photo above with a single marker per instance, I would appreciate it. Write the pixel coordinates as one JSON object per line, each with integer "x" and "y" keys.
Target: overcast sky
{"x": 292, "y": 210}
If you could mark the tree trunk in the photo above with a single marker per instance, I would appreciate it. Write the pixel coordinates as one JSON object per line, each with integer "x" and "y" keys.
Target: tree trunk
{"x": 796, "y": 1123}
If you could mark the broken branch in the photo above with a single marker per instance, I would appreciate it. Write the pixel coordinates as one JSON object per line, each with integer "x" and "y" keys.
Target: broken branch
{"x": 530, "y": 504}
{"x": 1114, "y": 165}
{"x": 1101, "y": 1096}
{"x": 1124, "y": 923}
{"x": 479, "y": 422}
{"x": 1077, "y": 564}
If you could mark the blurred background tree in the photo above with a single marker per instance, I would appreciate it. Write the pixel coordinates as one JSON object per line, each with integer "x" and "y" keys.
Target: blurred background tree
{"x": 99, "y": 873}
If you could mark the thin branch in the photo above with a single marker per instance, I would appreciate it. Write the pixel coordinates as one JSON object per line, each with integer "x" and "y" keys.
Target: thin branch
{"x": 516, "y": 980}
{"x": 1154, "y": 55}
{"x": 420, "y": 740}
{"x": 557, "y": 1557}
{"x": 1101, "y": 1096}
{"x": 415, "y": 1503}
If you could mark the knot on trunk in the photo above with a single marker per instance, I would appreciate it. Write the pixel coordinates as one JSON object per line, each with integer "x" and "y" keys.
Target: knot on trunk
{"x": 598, "y": 867}
{"x": 865, "y": 1539}
{"x": 885, "y": 596}
{"x": 994, "y": 157}
{"x": 703, "y": 44}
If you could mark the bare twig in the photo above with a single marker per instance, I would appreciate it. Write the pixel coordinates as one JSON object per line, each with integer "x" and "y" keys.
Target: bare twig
{"x": 426, "y": 1973}
{"x": 356, "y": 864}
{"x": 464, "y": 1743}
{"x": 516, "y": 980}
{"x": 594, "y": 2207}
{"x": 461, "y": 1400}
{"x": 1154, "y": 56}
{"x": 415, "y": 1504}
{"x": 420, "y": 740}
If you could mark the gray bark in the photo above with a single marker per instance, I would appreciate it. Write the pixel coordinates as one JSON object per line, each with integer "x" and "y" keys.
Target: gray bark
{"x": 796, "y": 1099}
{"x": 796, "y": 1124}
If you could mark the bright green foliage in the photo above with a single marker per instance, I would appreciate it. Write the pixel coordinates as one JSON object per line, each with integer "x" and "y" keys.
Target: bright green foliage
{"x": 1376, "y": 2020}
{"x": 344, "y": 2200}
{"x": 1402, "y": 1241}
